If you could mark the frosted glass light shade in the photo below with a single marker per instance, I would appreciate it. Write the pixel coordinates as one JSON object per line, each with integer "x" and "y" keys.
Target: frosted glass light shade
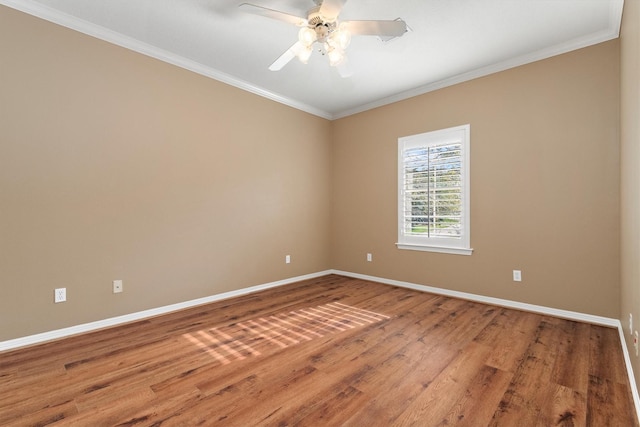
{"x": 341, "y": 37}
{"x": 307, "y": 36}
{"x": 304, "y": 54}
{"x": 336, "y": 56}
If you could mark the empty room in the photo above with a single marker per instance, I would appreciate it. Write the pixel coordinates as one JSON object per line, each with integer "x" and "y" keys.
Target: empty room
{"x": 319, "y": 213}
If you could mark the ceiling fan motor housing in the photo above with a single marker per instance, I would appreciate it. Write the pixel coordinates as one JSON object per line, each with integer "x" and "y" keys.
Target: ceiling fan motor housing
{"x": 319, "y": 24}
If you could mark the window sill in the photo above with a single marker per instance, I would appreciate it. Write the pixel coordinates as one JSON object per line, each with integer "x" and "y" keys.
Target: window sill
{"x": 441, "y": 249}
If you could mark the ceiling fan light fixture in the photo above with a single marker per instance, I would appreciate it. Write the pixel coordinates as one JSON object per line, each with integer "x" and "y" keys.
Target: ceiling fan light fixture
{"x": 335, "y": 55}
{"x": 307, "y": 36}
{"x": 341, "y": 37}
{"x": 304, "y": 54}
{"x": 323, "y": 27}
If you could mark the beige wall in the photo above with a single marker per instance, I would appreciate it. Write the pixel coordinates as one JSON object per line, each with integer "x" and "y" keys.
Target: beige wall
{"x": 544, "y": 184}
{"x": 116, "y": 166}
{"x": 630, "y": 174}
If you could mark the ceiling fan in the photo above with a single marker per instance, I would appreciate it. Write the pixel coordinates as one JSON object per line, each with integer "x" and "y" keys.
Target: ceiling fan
{"x": 321, "y": 26}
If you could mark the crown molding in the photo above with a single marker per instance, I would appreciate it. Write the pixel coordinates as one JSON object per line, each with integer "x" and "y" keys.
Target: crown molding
{"x": 55, "y": 16}
{"x": 52, "y": 15}
{"x": 612, "y": 32}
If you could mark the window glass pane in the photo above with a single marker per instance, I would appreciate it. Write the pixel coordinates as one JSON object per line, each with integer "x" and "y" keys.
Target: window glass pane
{"x": 432, "y": 188}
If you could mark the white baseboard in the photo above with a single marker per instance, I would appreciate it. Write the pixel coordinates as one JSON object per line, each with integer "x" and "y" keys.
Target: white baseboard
{"x": 127, "y": 318}
{"x": 627, "y": 361}
{"x": 565, "y": 314}
{"x": 114, "y": 321}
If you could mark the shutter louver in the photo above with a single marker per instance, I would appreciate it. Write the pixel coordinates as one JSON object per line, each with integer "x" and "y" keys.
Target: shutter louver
{"x": 432, "y": 190}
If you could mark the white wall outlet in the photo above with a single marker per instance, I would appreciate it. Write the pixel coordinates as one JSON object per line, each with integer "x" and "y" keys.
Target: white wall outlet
{"x": 117, "y": 286}
{"x": 517, "y": 276}
{"x": 59, "y": 295}
{"x": 369, "y": 257}
{"x": 287, "y": 259}
{"x": 630, "y": 323}
{"x": 635, "y": 342}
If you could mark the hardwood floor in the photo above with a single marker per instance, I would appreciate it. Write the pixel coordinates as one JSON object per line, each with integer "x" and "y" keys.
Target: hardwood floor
{"x": 327, "y": 351}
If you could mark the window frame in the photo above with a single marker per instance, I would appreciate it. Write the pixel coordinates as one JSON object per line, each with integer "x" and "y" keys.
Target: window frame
{"x": 461, "y": 245}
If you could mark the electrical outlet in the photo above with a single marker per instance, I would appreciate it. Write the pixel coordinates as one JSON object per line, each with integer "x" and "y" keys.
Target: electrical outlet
{"x": 369, "y": 257}
{"x": 287, "y": 259}
{"x": 117, "y": 286}
{"x": 635, "y": 342}
{"x": 59, "y": 295}
{"x": 630, "y": 324}
{"x": 517, "y": 276}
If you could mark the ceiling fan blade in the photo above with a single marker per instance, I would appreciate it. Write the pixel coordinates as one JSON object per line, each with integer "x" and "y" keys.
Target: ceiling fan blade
{"x": 273, "y": 14}
{"x": 330, "y": 9}
{"x": 284, "y": 59}
{"x": 384, "y": 29}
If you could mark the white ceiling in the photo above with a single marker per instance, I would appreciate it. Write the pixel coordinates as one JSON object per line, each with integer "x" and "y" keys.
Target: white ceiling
{"x": 450, "y": 41}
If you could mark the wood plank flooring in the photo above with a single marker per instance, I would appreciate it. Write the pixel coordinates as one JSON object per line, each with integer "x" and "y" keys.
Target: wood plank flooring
{"x": 325, "y": 352}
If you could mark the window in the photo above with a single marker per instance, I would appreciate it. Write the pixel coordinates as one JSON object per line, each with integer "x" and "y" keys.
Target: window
{"x": 433, "y": 191}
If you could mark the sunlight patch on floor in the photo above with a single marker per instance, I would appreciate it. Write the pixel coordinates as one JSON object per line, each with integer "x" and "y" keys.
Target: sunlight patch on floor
{"x": 240, "y": 340}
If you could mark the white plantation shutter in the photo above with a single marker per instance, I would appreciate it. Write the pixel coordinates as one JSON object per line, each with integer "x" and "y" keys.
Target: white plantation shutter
{"x": 433, "y": 190}
{"x": 433, "y": 205}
